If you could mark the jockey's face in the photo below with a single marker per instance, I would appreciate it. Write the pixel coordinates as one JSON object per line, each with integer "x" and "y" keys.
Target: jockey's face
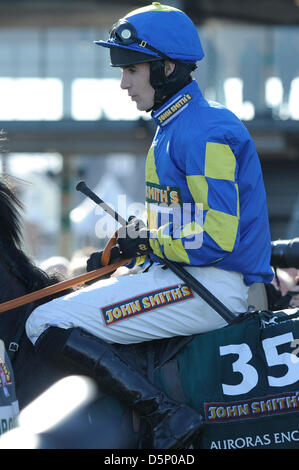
{"x": 136, "y": 80}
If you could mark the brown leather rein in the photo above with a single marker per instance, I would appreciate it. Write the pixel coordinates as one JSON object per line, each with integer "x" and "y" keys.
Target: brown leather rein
{"x": 60, "y": 286}
{"x": 63, "y": 285}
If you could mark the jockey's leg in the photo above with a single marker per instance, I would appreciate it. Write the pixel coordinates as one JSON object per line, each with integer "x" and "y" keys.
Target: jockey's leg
{"x": 173, "y": 424}
{"x": 143, "y": 307}
{"x": 133, "y": 309}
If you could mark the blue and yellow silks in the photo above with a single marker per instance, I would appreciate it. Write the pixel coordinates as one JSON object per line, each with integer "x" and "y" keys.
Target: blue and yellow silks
{"x": 205, "y": 194}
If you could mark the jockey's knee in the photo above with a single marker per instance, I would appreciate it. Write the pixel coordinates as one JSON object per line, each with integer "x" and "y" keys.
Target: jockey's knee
{"x": 51, "y": 342}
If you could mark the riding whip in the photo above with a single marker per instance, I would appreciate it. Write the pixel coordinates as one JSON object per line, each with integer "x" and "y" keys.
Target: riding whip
{"x": 176, "y": 268}
{"x": 83, "y": 188}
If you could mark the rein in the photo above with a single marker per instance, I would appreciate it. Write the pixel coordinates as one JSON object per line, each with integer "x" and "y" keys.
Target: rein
{"x": 60, "y": 286}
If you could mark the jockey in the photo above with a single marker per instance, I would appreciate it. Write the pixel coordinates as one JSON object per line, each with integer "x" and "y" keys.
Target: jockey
{"x": 206, "y": 209}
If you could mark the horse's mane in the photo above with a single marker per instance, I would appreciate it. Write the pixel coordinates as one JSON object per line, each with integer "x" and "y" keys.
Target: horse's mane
{"x": 10, "y": 207}
{"x": 17, "y": 262}
{"x": 10, "y": 221}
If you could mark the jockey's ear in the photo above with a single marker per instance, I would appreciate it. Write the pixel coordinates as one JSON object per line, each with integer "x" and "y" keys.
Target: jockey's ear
{"x": 169, "y": 67}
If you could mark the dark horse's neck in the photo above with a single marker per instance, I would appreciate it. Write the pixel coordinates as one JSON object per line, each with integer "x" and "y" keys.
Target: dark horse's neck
{"x": 13, "y": 259}
{"x": 19, "y": 276}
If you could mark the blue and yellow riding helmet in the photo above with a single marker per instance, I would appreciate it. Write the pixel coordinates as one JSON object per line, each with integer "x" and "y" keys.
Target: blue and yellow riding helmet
{"x": 153, "y": 34}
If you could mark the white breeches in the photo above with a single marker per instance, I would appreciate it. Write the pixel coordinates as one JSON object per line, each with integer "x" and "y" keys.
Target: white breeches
{"x": 142, "y": 307}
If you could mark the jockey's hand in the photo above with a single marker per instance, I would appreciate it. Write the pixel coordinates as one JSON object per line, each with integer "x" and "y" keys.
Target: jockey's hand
{"x": 94, "y": 261}
{"x": 133, "y": 239}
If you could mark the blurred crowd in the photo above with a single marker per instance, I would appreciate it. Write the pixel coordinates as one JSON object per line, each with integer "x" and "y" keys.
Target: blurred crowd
{"x": 65, "y": 268}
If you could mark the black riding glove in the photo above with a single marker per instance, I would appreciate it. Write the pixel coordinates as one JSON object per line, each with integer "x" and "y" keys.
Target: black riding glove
{"x": 94, "y": 261}
{"x": 133, "y": 239}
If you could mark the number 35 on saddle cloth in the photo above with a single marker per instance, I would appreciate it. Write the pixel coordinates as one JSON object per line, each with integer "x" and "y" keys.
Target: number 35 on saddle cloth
{"x": 244, "y": 380}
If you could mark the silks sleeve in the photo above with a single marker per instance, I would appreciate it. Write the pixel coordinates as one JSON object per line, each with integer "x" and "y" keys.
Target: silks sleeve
{"x": 212, "y": 230}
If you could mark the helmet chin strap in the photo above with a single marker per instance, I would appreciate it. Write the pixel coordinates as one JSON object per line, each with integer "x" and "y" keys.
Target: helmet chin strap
{"x": 166, "y": 86}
